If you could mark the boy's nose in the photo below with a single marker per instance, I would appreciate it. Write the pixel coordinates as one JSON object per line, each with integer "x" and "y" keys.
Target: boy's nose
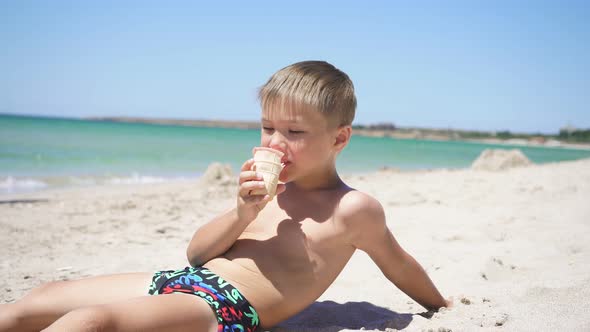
{"x": 277, "y": 142}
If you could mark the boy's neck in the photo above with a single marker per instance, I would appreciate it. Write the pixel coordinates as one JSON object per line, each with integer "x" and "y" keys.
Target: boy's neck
{"x": 319, "y": 181}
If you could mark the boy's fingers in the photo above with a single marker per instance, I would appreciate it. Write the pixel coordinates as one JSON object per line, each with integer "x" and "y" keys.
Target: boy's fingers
{"x": 247, "y": 165}
{"x": 450, "y": 302}
{"x": 255, "y": 199}
{"x": 248, "y": 175}
{"x": 246, "y": 188}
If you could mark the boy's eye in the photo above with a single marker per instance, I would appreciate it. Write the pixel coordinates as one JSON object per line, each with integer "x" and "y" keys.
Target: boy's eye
{"x": 296, "y": 131}
{"x": 267, "y": 129}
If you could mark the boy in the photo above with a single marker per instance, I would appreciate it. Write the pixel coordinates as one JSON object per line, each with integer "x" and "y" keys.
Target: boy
{"x": 266, "y": 259}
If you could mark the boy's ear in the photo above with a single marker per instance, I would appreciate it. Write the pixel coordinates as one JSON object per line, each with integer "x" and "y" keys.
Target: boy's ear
{"x": 342, "y": 137}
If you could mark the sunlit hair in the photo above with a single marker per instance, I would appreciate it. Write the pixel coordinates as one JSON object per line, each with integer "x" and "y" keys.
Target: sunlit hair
{"x": 314, "y": 85}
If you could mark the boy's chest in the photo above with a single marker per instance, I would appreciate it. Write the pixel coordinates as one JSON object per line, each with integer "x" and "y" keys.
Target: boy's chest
{"x": 294, "y": 246}
{"x": 308, "y": 229}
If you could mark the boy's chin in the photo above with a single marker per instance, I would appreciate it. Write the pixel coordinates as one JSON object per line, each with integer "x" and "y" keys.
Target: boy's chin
{"x": 285, "y": 177}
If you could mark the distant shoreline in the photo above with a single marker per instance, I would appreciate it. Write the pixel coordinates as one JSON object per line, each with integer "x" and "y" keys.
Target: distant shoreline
{"x": 182, "y": 122}
{"x": 370, "y": 131}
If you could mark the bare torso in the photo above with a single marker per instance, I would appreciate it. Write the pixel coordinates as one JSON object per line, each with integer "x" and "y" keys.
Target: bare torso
{"x": 288, "y": 256}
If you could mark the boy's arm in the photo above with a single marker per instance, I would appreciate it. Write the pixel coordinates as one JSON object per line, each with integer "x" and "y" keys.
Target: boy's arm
{"x": 373, "y": 237}
{"x": 215, "y": 237}
{"x": 218, "y": 235}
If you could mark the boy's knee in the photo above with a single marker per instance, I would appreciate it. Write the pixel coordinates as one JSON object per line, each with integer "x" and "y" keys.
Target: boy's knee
{"x": 40, "y": 292}
{"x": 45, "y": 288}
{"x": 40, "y": 297}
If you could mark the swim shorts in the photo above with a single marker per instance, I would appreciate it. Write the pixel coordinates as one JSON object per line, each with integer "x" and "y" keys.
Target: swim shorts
{"x": 234, "y": 312}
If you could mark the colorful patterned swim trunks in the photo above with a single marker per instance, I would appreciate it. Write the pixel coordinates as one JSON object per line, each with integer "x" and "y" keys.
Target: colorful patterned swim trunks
{"x": 234, "y": 312}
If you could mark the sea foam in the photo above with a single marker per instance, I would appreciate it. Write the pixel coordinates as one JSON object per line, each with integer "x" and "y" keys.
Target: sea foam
{"x": 11, "y": 184}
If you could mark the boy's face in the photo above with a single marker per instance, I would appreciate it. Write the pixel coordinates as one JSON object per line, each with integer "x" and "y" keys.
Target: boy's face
{"x": 303, "y": 136}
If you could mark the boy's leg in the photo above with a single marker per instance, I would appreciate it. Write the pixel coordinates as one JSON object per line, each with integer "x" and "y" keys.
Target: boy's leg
{"x": 175, "y": 312}
{"x": 46, "y": 303}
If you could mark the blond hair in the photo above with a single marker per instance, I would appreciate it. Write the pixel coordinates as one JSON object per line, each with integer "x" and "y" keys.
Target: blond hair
{"x": 312, "y": 84}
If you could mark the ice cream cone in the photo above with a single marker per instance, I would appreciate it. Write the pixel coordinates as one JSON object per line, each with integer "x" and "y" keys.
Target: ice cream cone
{"x": 267, "y": 162}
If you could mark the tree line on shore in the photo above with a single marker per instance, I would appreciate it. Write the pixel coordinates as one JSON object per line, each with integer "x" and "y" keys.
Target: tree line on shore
{"x": 564, "y": 135}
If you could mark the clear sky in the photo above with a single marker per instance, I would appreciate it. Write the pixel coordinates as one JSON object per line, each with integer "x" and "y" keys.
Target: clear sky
{"x": 522, "y": 66}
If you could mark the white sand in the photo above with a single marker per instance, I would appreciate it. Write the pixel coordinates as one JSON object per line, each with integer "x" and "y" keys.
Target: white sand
{"x": 512, "y": 247}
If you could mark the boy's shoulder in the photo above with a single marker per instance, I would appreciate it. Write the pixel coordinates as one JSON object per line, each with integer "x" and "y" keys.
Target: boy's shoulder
{"x": 356, "y": 207}
{"x": 362, "y": 218}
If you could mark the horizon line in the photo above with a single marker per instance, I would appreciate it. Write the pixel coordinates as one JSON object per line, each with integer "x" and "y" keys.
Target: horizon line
{"x": 148, "y": 119}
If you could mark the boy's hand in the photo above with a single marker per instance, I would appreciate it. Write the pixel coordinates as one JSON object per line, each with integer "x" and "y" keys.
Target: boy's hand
{"x": 250, "y": 205}
{"x": 449, "y": 302}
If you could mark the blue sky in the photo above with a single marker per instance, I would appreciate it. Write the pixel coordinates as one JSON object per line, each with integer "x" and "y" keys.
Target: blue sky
{"x": 522, "y": 66}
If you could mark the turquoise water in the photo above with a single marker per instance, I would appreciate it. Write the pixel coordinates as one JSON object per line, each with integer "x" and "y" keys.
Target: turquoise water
{"x": 39, "y": 152}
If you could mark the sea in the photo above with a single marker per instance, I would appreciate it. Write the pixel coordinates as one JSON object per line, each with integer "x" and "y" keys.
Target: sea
{"x": 38, "y": 153}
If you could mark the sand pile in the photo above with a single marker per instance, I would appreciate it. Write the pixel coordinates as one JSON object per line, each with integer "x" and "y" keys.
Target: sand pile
{"x": 497, "y": 160}
{"x": 218, "y": 173}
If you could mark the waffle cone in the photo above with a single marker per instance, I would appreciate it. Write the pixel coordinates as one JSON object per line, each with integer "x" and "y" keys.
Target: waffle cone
{"x": 268, "y": 163}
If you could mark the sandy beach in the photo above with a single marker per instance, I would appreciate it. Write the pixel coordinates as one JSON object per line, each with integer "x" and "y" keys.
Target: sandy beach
{"x": 510, "y": 246}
